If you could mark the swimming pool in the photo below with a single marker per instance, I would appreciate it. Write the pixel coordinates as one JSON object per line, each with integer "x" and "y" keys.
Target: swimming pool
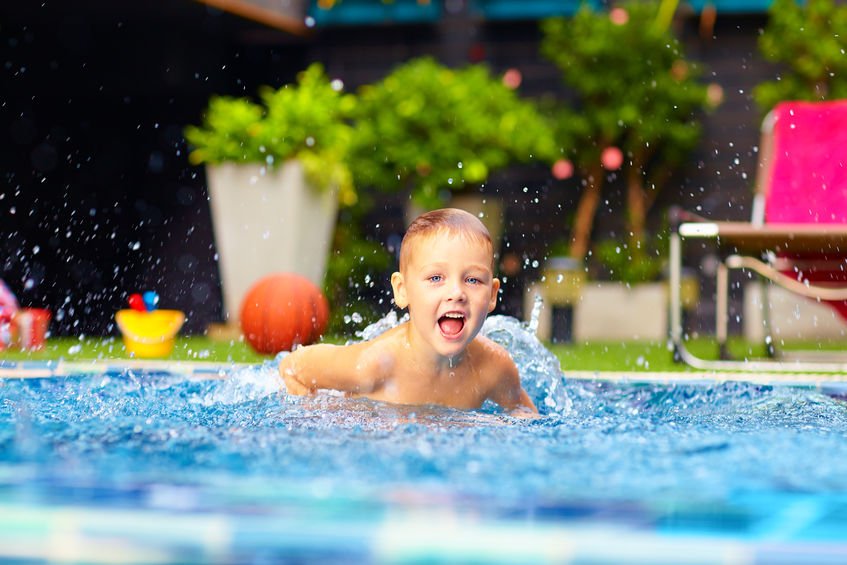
{"x": 159, "y": 467}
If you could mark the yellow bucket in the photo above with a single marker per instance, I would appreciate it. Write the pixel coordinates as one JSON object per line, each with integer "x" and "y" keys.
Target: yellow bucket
{"x": 149, "y": 334}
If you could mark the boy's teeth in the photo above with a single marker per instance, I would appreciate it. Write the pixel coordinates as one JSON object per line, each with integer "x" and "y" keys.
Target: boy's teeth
{"x": 451, "y": 324}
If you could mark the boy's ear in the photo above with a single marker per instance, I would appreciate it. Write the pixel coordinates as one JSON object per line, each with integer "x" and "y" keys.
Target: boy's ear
{"x": 399, "y": 287}
{"x": 495, "y": 288}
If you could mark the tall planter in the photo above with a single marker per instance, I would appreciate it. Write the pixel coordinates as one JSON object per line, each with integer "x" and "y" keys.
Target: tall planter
{"x": 267, "y": 222}
{"x": 616, "y": 311}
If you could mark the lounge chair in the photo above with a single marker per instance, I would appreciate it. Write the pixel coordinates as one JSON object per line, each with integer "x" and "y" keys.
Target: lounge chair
{"x": 797, "y": 238}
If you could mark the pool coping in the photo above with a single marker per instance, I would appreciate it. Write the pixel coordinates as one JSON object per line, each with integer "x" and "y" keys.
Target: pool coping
{"x": 214, "y": 370}
{"x": 667, "y": 377}
{"x": 62, "y": 368}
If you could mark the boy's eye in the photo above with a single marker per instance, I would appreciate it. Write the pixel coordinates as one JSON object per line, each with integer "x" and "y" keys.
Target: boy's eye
{"x": 435, "y": 278}
{"x": 473, "y": 280}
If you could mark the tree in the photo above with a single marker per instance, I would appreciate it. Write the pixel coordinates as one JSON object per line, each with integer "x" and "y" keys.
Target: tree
{"x": 809, "y": 40}
{"x": 637, "y": 105}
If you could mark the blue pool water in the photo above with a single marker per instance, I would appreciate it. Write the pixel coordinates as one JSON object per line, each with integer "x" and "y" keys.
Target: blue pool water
{"x": 157, "y": 467}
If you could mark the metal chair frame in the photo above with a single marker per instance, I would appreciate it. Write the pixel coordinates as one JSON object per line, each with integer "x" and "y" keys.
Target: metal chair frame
{"x": 754, "y": 246}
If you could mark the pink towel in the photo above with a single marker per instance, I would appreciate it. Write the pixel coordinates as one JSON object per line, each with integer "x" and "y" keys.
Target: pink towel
{"x": 809, "y": 179}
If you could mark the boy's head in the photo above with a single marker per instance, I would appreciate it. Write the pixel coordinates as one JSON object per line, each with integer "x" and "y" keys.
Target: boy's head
{"x": 446, "y": 279}
{"x": 452, "y": 221}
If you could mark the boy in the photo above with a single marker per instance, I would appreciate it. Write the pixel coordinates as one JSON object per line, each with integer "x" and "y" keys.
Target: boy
{"x": 446, "y": 280}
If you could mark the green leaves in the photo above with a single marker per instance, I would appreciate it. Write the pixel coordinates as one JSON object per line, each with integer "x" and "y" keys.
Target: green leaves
{"x": 631, "y": 79}
{"x": 424, "y": 127}
{"x": 809, "y": 40}
{"x": 308, "y": 120}
{"x": 431, "y": 129}
{"x": 229, "y": 132}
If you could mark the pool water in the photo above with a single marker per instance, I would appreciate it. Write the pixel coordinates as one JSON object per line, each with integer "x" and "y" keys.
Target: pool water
{"x": 155, "y": 467}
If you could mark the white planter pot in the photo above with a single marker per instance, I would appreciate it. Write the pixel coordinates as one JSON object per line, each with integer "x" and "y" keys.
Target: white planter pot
{"x": 607, "y": 311}
{"x": 266, "y": 223}
{"x": 612, "y": 311}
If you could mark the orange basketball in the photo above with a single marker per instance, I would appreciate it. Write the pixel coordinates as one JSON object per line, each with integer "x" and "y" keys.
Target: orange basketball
{"x": 281, "y": 311}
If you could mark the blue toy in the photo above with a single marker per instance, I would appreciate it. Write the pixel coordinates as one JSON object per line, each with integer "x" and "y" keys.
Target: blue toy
{"x": 151, "y": 300}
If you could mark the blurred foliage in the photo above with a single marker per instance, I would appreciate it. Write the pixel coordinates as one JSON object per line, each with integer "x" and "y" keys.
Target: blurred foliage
{"x": 558, "y": 248}
{"x": 308, "y": 120}
{"x": 430, "y": 129}
{"x": 633, "y": 89}
{"x": 809, "y": 40}
{"x": 632, "y": 266}
{"x": 353, "y": 267}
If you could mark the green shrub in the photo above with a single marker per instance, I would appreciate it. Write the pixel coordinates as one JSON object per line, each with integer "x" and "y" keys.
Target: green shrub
{"x": 809, "y": 41}
{"x": 308, "y": 120}
{"x": 430, "y": 129}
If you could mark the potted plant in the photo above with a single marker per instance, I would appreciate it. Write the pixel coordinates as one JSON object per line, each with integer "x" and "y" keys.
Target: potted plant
{"x": 437, "y": 132}
{"x": 277, "y": 170}
{"x": 635, "y": 109}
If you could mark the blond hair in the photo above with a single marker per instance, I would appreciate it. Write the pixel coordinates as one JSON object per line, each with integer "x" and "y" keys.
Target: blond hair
{"x": 451, "y": 220}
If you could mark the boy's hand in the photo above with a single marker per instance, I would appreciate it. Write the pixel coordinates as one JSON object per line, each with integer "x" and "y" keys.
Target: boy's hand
{"x": 292, "y": 385}
{"x": 525, "y": 413}
{"x": 288, "y": 372}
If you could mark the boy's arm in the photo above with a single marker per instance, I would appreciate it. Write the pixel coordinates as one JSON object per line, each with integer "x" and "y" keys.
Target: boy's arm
{"x": 337, "y": 367}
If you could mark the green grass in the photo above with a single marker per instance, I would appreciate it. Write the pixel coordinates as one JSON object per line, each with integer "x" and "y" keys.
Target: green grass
{"x": 591, "y": 356}
{"x": 194, "y": 348}
{"x": 655, "y": 356}
{"x": 615, "y": 356}
{"x": 641, "y": 355}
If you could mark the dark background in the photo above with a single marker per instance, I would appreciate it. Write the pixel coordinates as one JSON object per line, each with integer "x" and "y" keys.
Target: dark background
{"x": 97, "y": 199}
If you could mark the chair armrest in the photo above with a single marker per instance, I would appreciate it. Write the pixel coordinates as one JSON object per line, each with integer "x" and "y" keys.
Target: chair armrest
{"x": 744, "y": 237}
{"x": 678, "y": 215}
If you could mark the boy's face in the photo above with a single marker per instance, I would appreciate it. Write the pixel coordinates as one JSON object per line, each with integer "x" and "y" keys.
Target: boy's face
{"x": 449, "y": 288}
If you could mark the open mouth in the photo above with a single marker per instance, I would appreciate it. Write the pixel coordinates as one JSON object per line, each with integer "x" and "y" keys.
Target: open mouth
{"x": 451, "y": 324}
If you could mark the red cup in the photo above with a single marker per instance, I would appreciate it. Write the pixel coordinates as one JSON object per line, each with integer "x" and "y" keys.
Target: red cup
{"x": 31, "y": 327}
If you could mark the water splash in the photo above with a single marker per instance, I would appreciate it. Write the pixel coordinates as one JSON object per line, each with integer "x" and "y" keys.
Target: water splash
{"x": 246, "y": 384}
{"x": 540, "y": 371}
{"x": 387, "y": 322}
{"x": 535, "y": 314}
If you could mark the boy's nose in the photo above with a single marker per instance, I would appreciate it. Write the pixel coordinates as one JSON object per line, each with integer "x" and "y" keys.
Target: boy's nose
{"x": 456, "y": 292}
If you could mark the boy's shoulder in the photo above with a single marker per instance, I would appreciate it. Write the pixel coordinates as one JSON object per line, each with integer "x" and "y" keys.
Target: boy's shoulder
{"x": 494, "y": 355}
{"x": 381, "y": 352}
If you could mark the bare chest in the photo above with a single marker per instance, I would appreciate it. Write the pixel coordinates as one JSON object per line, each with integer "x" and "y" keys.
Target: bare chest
{"x": 458, "y": 389}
